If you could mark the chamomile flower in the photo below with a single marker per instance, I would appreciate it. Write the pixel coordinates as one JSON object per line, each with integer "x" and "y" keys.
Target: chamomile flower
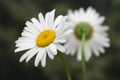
{"x": 96, "y": 36}
{"x": 42, "y": 37}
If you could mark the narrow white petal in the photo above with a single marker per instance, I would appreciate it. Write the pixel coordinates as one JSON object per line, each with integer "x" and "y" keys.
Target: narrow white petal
{"x": 41, "y": 19}
{"x": 23, "y": 48}
{"x": 60, "y": 41}
{"x": 32, "y": 54}
{"x": 43, "y": 60}
{"x": 87, "y": 52}
{"x": 74, "y": 49}
{"x": 79, "y": 54}
{"x": 30, "y": 30}
{"x": 25, "y": 40}
{"x": 57, "y": 20}
{"x": 71, "y": 49}
{"x": 101, "y": 20}
{"x": 49, "y": 18}
{"x": 50, "y": 54}
{"x": 94, "y": 48}
{"x": 66, "y": 33}
{"x": 53, "y": 49}
{"x": 46, "y": 18}
{"x": 28, "y": 34}
{"x": 60, "y": 48}
{"x": 32, "y": 26}
{"x": 62, "y": 27}
{"x": 99, "y": 47}
{"x": 37, "y": 24}
{"x": 102, "y": 40}
{"x": 26, "y": 44}
{"x": 26, "y": 54}
{"x": 39, "y": 56}
{"x": 101, "y": 29}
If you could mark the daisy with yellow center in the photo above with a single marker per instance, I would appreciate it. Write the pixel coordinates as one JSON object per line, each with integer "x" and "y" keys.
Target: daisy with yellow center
{"x": 43, "y": 37}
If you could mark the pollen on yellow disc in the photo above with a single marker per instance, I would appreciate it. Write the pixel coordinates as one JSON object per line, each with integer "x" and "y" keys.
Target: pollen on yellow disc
{"x": 45, "y": 38}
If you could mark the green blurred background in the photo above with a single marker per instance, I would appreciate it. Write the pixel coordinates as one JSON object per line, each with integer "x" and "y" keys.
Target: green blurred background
{"x": 14, "y": 14}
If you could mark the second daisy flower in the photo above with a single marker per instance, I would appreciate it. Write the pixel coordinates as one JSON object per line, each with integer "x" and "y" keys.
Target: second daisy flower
{"x": 90, "y": 23}
{"x": 43, "y": 37}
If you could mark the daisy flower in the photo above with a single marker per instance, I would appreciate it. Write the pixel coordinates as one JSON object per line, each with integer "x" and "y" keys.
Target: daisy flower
{"x": 42, "y": 37}
{"x": 96, "y": 36}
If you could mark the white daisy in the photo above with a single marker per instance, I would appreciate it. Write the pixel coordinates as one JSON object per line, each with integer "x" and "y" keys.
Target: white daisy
{"x": 96, "y": 37}
{"x": 42, "y": 37}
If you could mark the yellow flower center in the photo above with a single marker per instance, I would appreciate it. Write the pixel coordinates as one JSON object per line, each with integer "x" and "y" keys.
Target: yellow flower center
{"x": 45, "y": 38}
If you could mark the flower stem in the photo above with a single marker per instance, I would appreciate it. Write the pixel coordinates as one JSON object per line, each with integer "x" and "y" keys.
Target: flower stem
{"x": 83, "y": 57}
{"x": 65, "y": 65}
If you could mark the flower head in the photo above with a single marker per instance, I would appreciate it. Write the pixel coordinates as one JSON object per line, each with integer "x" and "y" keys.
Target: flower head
{"x": 42, "y": 37}
{"x": 89, "y": 22}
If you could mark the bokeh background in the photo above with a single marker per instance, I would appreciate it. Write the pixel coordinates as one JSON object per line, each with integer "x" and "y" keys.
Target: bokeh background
{"x": 14, "y": 14}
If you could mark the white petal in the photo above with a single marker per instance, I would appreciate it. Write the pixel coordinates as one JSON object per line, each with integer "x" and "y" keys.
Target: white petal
{"x": 102, "y": 40}
{"x": 26, "y": 54}
{"x": 23, "y": 48}
{"x": 49, "y": 18}
{"x": 53, "y": 49}
{"x": 26, "y": 44}
{"x": 62, "y": 27}
{"x": 66, "y": 33}
{"x": 60, "y": 41}
{"x": 99, "y": 47}
{"x": 32, "y": 26}
{"x": 101, "y": 29}
{"x": 30, "y": 30}
{"x": 41, "y": 19}
{"x": 50, "y": 54}
{"x": 28, "y": 34}
{"x": 68, "y": 47}
{"x": 101, "y": 20}
{"x": 87, "y": 52}
{"x": 94, "y": 48}
{"x": 46, "y": 18}
{"x": 39, "y": 56}
{"x": 74, "y": 48}
{"x": 37, "y": 24}
{"x": 32, "y": 54}
{"x": 43, "y": 60}
{"x": 60, "y": 48}
{"x": 79, "y": 54}
{"x": 25, "y": 40}
{"x": 57, "y": 20}
{"x": 72, "y": 45}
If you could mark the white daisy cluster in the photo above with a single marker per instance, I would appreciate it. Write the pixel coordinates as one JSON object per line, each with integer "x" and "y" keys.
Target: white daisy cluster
{"x": 45, "y": 36}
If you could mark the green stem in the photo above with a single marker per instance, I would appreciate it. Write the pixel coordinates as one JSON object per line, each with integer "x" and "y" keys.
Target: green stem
{"x": 83, "y": 57}
{"x": 65, "y": 66}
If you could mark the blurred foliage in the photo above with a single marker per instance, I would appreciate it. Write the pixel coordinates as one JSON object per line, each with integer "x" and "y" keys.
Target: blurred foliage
{"x": 14, "y": 14}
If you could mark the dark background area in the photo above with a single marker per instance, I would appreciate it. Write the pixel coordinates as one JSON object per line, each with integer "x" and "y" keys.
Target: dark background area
{"x": 14, "y": 14}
